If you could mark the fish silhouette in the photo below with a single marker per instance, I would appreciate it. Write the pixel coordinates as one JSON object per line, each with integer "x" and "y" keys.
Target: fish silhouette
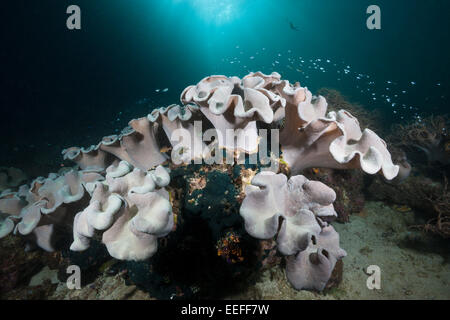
{"x": 292, "y": 26}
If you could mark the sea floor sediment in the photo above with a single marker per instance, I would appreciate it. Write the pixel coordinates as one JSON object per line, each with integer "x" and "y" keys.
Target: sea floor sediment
{"x": 413, "y": 265}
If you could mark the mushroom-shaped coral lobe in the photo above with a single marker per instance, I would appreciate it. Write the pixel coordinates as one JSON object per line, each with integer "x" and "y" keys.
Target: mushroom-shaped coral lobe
{"x": 129, "y": 209}
{"x": 136, "y": 144}
{"x": 134, "y": 235}
{"x": 298, "y": 201}
{"x": 92, "y": 158}
{"x": 141, "y": 145}
{"x": 10, "y": 206}
{"x": 231, "y": 103}
{"x": 303, "y": 205}
{"x": 178, "y": 125}
{"x": 6, "y": 225}
{"x": 311, "y": 268}
{"x": 11, "y": 203}
{"x": 311, "y": 139}
{"x": 38, "y": 206}
{"x": 261, "y": 206}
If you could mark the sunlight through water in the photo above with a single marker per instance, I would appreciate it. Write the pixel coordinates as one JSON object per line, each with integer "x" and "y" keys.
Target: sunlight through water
{"x": 218, "y": 12}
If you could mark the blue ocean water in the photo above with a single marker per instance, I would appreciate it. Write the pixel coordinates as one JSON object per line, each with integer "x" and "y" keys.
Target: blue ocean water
{"x": 62, "y": 88}
{"x": 65, "y": 87}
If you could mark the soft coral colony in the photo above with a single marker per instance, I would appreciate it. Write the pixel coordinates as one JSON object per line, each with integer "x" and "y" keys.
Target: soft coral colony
{"x": 123, "y": 177}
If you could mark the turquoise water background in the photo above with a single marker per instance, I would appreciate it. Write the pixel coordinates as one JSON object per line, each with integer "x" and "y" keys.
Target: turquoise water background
{"x": 91, "y": 82}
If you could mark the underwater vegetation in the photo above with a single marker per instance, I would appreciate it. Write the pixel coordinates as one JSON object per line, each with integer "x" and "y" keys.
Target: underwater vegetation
{"x": 422, "y": 150}
{"x": 430, "y": 197}
{"x": 430, "y": 135}
{"x": 181, "y": 223}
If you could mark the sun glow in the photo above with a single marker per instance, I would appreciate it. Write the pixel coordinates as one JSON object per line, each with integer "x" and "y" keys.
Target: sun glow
{"x": 216, "y": 11}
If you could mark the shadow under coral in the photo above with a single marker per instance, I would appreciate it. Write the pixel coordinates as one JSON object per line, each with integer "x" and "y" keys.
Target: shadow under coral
{"x": 208, "y": 255}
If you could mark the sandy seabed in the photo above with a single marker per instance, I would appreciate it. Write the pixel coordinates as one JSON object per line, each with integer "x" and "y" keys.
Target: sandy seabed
{"x": 413, "y": 266}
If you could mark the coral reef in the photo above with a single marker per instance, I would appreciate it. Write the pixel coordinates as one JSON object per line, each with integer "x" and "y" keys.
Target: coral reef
{"x": 369, "y": 119}
{"x": 430, "y": 198}
{"x": 309, "y": 138}
{"x": 312, "y": 138}
{"x": 336, "y": 101}
{"x": 441, "y": 205}
{"x": 17, "y": 267}
{"x": 122, "y": 194}
{"x": 46, "y": 202}
{"x": 208, "y": 236}
{"x": 311, "y": 244}
{"x": 429, "y": 135}
{"x": 229, "y": 103}
{"x": 425, "y": 142}
{"x": 405, "y": 168}
{"x": 349, "y": 186}
{"x": 11, "y": 178}
{"x": 129, "y": 210}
